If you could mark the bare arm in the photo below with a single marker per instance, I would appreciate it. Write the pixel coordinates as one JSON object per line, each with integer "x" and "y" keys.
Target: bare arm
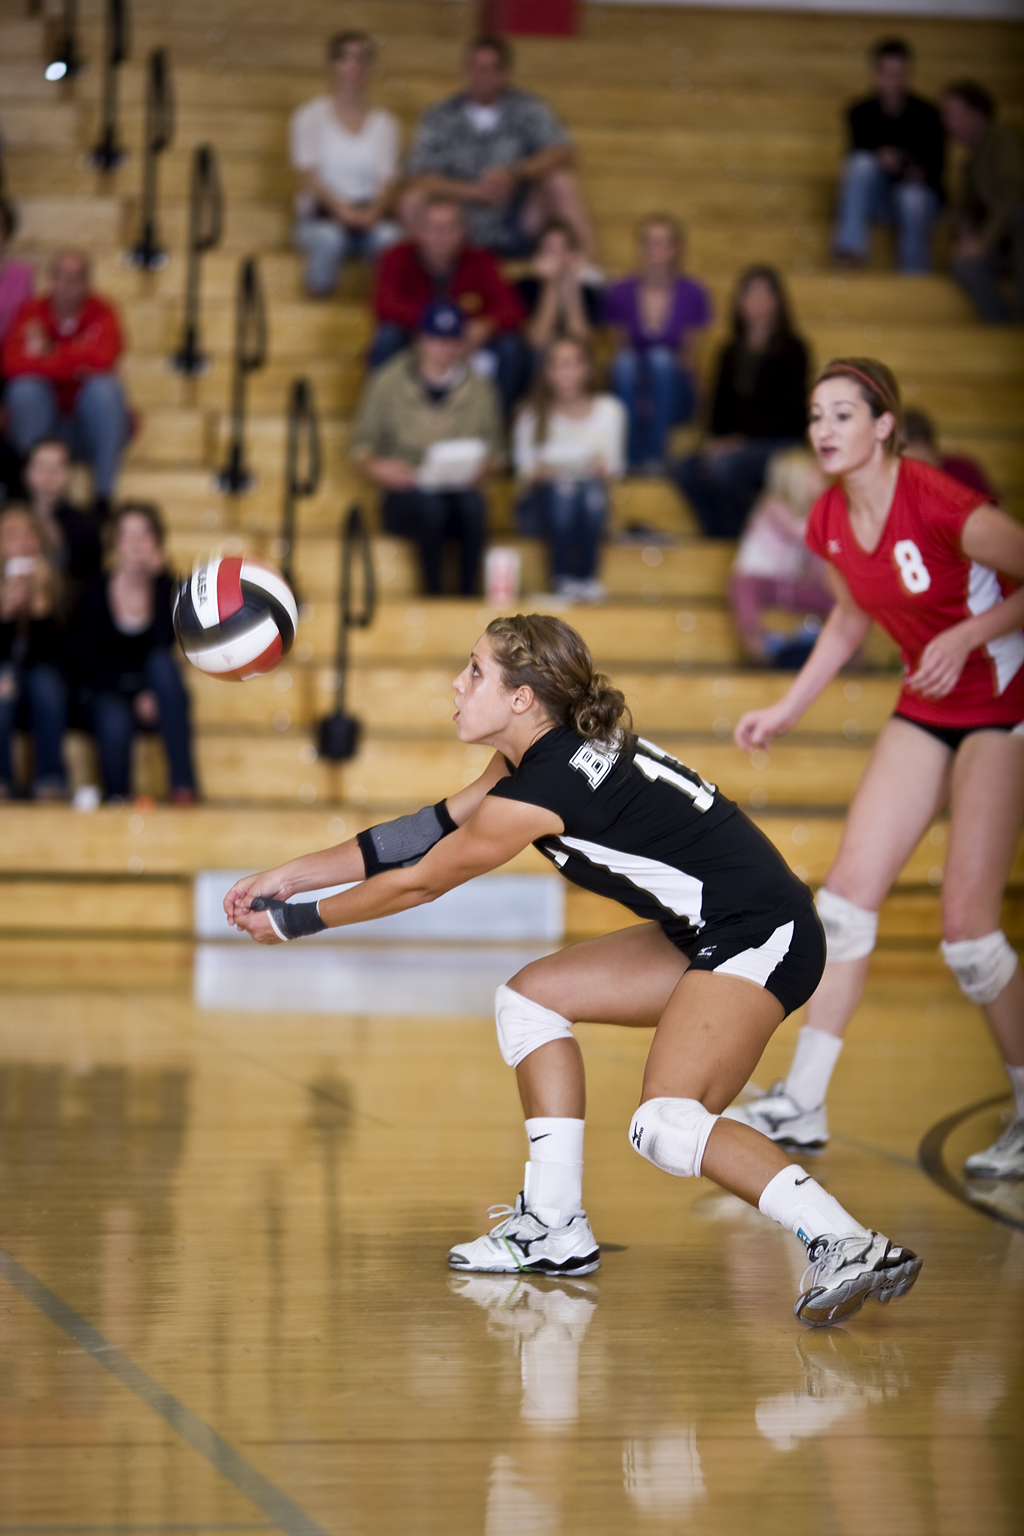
{"x": 494, "y": 833}
{"x": 993, "y": 539}
{"x": 841, "y": 634}
{"x": 344, "y": 862}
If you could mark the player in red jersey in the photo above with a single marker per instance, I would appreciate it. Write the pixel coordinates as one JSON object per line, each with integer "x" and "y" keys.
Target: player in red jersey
{"x": 937, "y": 567}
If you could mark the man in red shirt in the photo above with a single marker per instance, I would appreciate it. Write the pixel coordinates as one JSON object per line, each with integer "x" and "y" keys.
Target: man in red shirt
{"x": 58, "y": 360}
{"x": 437, "y": 263}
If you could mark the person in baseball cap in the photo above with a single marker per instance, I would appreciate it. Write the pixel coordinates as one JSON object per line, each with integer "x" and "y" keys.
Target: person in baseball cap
{"x": 443, "y": 319}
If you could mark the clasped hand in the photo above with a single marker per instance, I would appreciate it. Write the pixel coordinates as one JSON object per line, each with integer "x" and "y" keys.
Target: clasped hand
{"x": 238, "y": 903}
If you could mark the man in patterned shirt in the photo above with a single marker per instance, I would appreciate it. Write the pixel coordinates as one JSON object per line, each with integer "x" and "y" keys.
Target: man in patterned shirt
{"x": 501, "y": 153}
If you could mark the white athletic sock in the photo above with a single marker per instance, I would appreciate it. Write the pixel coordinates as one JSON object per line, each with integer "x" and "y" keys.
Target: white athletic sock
{"x": 798, "y": 1202}
{"x": 553, "y": 1183}
{"x": 1016, "y": 1076}
{"x": 813, "y": 1063}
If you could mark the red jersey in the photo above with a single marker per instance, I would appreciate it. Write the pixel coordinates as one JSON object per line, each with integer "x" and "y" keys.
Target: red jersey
{"x": 90, "y": 343}
{"x": 918, "y": 582}
{"x": 403, "y": 288}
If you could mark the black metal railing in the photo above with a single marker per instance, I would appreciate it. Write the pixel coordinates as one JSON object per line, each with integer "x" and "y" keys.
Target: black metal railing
{"x": 63, "y": 59}
{"x": 250, "y": 354}
{"x": 338, "y": 734}
{"x": 301, "y": 468}
{"x": 108, "y": 154}
{"x": 159, "y": 130}
{"x": 205, "y": 227}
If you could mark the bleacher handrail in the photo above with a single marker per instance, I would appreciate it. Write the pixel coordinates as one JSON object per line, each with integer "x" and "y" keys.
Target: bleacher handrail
{"x": 108, "y": 154}
{"x": 158, "y": 133}
{"x": 205, "y": 227}
{"x": 250, "y": 354}
{"x": 338, "y": 734}
{"x": 301, "y": 466}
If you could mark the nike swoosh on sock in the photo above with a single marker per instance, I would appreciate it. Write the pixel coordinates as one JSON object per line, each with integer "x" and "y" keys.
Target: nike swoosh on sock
{"x": 541, "y": 1136}
{"x": 804, "y": 1180}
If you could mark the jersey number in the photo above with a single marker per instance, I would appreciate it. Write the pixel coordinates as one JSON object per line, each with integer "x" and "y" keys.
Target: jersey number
{"x": 913, "y": 571}
{"x": 700, "y": 792}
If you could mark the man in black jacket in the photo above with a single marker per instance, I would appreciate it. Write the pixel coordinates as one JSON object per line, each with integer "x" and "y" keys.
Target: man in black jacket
{"x": 893, "y": 171}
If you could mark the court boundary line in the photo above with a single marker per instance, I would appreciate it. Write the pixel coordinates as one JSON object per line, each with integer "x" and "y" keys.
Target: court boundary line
{"x": 929, "y": 1155}
{"x": 286, "y": 1515}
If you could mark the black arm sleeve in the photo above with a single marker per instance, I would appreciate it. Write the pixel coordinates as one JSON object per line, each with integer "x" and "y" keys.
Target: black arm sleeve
{"x": 398, "y": 844}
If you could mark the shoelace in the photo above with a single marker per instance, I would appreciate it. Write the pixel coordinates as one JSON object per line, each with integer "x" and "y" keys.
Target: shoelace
{"x": 505, "y": 1212}
{"x": 1014, "y": 1131}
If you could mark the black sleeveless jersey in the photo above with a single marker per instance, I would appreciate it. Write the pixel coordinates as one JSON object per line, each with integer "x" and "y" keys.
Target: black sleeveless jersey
{"x": 650, "y": 833}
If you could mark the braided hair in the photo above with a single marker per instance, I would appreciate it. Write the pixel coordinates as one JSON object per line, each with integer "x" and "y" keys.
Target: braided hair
{"x": 546, "y": 654}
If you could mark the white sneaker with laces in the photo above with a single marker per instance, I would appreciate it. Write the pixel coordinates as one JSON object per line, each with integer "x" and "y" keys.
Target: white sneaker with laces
{"x": 780, "y": 1118}
{"x": 845, "y": 1272}
{"x": 1004, "y": 1159}
{"x": 521, "y": 1242}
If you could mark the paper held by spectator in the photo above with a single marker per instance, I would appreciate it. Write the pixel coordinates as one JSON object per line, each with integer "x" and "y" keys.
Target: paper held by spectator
{"x": 452, "y": 464}
{"x": 568, "y": 460}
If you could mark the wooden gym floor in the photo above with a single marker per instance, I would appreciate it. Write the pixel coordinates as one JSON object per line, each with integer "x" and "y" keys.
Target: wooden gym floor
{"x": 224, "y": 1304}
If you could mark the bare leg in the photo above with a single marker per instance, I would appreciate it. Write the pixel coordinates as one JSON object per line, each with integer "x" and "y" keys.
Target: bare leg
{"x": 622, "y": 978}
{"x": 985, "y": 826}
{"x": 710, "y": 1038}
{"x": 905, "y": 784}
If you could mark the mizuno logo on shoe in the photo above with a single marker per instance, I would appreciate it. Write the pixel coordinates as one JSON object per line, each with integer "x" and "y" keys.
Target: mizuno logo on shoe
{"x": 638, "y": 1136}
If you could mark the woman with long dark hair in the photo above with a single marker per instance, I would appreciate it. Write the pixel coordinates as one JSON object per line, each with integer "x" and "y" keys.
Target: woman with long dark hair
{"x": 728, "y": 947}
{"x": 759, "y": 406}
{"x": 940, "y": 569}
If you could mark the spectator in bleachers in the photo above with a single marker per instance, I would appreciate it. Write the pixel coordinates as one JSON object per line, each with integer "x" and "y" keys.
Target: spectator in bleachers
{"x": 501, "y": 153}
{"x": 654, "y": 317}
{"x": 32, "y": 656}
{"x": 892, "y": 173}
{"x": 569, "y": 445}
{"x": 59, "y": 360}
{"x": 71, "y": 537}
{"x": 558, "y": 290}
{"x": 758, "y": 407}
{"x": 345, "y": 154}
{"x": 775, "y": 569}
{"x": 988, "y": 209}
{"x": 428, "y": 432}
{"x": 921, "y": 443}
{"x": 125, "y": 654}
{"x": 16, "y": 277}
{"x": 438, "y": 264}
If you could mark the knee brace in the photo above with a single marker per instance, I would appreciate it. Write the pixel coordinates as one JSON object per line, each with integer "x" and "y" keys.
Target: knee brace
{"x": 850, "y": 931}
{"x": 672, "y": 1134}
{"x": 983, "y": 967}
{"x": 524, "y": 1025}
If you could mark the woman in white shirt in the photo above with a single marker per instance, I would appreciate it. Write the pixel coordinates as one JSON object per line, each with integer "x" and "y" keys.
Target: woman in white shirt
{"x": 569, "y": 443}
{"x": 345, "y": 154}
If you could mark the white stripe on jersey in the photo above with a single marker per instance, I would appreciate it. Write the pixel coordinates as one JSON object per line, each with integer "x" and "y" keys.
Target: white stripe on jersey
{"x": 677, "y": 891}
{"x": 1007, "y": 651}
{"x": 758, "y": 964}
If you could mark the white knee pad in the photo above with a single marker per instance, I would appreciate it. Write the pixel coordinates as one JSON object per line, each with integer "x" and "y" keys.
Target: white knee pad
{"x": 672, "y": 1134}
{"x": 524, "y": 1025}
{"x": 850, "y": 931}
{"x": 983, "y": 967}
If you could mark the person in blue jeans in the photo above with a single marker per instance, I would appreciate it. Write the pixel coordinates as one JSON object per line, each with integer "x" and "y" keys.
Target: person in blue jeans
{"x": 654, "y": 317}
{"x": 892, "y": 174}
{"x": 568, "y": 445}
{"x": 33, "y": 690}
{"x": 125, "y": 645}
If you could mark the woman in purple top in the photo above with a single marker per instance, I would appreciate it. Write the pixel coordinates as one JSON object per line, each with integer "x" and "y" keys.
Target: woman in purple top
{"x": 16, "y": 277}
{"x": 653, "y": 317}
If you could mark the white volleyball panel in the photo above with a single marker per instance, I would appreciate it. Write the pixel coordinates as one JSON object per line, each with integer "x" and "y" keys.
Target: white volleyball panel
{"x": 243, "y": 650}
{"x": 499, "y": 908}
{"x": 267, "y": 580}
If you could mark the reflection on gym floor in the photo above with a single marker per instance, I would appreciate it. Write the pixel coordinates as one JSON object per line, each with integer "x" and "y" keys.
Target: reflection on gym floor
{"x": 225, "y": 1301}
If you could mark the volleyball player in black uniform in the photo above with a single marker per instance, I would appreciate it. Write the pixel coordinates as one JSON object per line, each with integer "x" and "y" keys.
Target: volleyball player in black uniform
{"x": 731, "y": 945}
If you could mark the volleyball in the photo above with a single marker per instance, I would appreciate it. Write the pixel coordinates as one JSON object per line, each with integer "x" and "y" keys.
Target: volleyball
{"x": 235, "y": 617}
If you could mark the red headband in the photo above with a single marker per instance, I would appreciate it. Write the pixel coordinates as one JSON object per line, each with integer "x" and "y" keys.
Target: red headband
{"x": 841, "y": 368}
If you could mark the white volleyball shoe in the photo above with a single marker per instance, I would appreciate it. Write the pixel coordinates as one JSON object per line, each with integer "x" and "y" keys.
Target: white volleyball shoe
{"x": 1004, "y": 1159}
{"x": 781, "y": 1119}
{"x": 521, "y": 1242}
{"x": 845, "y": 1272}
